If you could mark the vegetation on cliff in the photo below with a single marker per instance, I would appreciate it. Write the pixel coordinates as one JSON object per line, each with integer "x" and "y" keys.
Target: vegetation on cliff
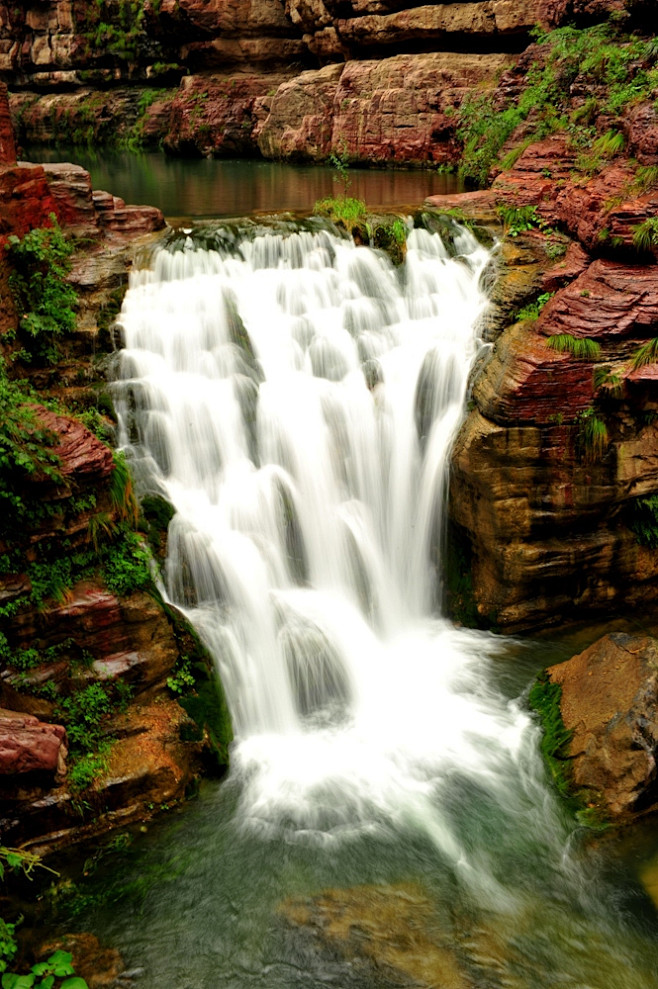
{"x": 613, "y": 68}
{"x": 65, "y": 528}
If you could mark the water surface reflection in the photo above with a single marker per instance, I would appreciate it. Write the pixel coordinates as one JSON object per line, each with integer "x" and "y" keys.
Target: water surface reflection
{"x": 203, "y": 188}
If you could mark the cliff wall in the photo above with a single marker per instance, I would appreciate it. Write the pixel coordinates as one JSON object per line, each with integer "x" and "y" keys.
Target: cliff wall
{"x": 92, "y": 734}
{"x": 379, "y": 81}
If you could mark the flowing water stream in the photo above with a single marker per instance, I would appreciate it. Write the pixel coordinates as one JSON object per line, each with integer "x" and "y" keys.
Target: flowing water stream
{"x": 386, "y": 821}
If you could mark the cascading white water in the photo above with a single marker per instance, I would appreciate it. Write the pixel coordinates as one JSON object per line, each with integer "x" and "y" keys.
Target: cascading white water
{"x": 295, "y": 399}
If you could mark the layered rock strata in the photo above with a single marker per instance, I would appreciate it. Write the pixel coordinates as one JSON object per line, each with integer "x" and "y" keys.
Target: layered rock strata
{"x": 546, "y": 507}
{"x": 252, "y": 79}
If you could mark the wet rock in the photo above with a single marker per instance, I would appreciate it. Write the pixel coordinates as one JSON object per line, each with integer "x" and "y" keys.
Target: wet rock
{"x": 28, "y": 745}
{"x": 132, "y": 221}
{"x": 81, "y": 454}
{"x": 609, "y": 702}
{"x": 99, "y": 966}
{"x": 543, "y": 521}
{"x": 388, "y": 936}
{"x": 148, "y": 767}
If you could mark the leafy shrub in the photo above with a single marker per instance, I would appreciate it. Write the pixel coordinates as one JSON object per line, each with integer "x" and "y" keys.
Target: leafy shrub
{"x": 41, "y": 261}
{"x": 26, "y": 450}
{"x": 532, "y": 310}
{"x": 126, "y": 565}
{"x": 598, "y": 56}
{"x": 519, "y": 219}
{"x": 57, "y": 971}
{"x": 83, "y": 712}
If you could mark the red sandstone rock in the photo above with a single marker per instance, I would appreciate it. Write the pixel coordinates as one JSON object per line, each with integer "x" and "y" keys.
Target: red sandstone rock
{"x": 26, "y": 200}
{"x": 7, "y": 146}
{"x": 132, "y": 221}
{"x": 300, "y": 119}
{"x": 610, "y": 702}
{"x": 527, "y": 382}
{"x": 27, "y": 744}
{"x": 70, "y": 186}
{"x": 608, "y": 300}
{"x": 392, "y": 110}
{"x": 218, "y": 116}
{"x": 81, "y": 454}
{"x": 559, "y": 11}
{"x": 574, "y": 263}
{"x": 479, "y": 205}
{"x": 640, "y": 127}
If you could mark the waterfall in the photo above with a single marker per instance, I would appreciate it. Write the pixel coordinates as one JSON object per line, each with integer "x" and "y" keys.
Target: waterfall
{"x": 295, "y": 398}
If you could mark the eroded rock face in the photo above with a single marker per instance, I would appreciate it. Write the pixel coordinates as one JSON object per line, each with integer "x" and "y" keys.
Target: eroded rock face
{"x": 406, "y": 68}
{"x": 545, "y": 507}
{"x": 609, "y": 702}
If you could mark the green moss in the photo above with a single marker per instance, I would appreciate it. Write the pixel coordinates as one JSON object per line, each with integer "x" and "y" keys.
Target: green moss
{"x": 198, "y": 689}
{"x": 544, "y": 700}
{"x": 643, "y": 520}
{"x": 343, "y": 210}
{"x": 156, "y": 514}
{"x": 458, "y": 579}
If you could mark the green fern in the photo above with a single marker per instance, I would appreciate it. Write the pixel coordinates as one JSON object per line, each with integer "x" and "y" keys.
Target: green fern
{"x": 609, "y": 144}
{"x": 644, "y": 521}
{"x": 607, "y": 380}
{"x": 646, "y": 354}
{"x": 592, "y": 435}
{"x": 122, "y": 492}
{"x": 580, "y": 347}
{"x": 645, "y": 235}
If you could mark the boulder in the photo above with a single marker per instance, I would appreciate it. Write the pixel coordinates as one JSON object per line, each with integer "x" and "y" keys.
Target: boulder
{"x": 26, "y": 200}
{"x": 28, "y": 745}
{"x": 70, "y": 186}
{"x": 609, "y": 703}
{"x": 132, "y": 221}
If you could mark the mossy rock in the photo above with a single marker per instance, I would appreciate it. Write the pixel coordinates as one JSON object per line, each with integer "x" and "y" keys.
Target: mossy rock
{"x": 203, "y": 699}
{"x": 389, "y": 234}
{"x": 544, "y": 699}
{"x": 156, "y": 514}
